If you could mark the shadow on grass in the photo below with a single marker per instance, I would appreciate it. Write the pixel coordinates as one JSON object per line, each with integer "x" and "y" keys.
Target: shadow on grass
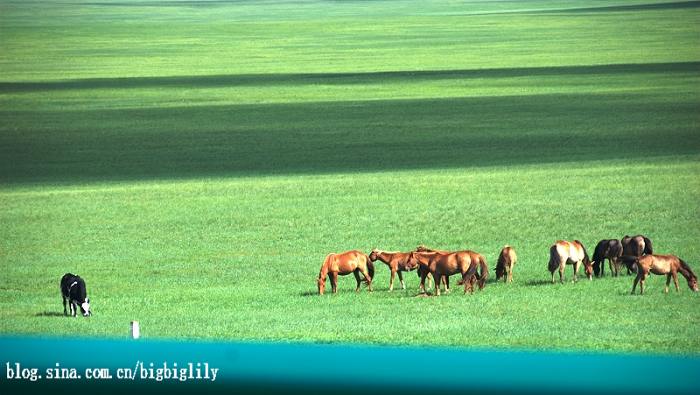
{"x": 539, "y": 283}
{"x": 359, "y": 78}
{"x": 344, "y": 137}
{"x": 49, "y": 314}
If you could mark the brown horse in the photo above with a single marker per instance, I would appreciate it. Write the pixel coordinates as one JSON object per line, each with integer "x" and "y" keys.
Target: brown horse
{"x": 463, "y": 262}
{"x": 354, "y": 261}
{"x": 397, "y": 262}
{"x": 670, "y": 265}
{"x": 481, "y": 276}
{"x": 612, "y": 251}
{"x": 422, "y": 270}
{"x": 569, "y": 253}
{"x": 506, "y": 261}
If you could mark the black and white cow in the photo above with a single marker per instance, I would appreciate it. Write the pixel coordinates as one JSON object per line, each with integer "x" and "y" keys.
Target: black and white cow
{"x": 73, "y": 289}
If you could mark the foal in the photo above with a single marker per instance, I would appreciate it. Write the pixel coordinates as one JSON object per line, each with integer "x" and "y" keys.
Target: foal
{"x": 397, "y": 262}
{"x": 506, "y": 261}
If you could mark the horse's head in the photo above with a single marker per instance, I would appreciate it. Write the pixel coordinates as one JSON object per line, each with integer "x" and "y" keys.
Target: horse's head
{"x": 588, "y": 268}
{"x": 412, "y": 261}
{"x": 373, "y": 255}
{"x": 500, "y": 272}
{"x": 693, "y": 283}
{"x": 321, "y": 283}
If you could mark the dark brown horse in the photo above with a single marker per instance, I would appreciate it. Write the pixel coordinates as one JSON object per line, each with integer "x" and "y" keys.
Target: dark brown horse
{"x": 354, "y": 261}
{"x": 397, "y": 262}
{"x": 670, "y": 265}
{"x": 611, "y": 250}
{"x": 569, "y": 253}
{"x": 636, "y": 245}
{"x": 506, "y": 261}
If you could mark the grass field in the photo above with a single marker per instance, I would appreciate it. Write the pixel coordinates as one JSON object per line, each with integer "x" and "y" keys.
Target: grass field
{"x": 196, "y": 161}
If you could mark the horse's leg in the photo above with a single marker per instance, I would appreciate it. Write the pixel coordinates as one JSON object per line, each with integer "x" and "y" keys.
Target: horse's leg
{"x": 446, "y": 283}
{"x": 334, "y": 281}
{"x": 466, "y": 281}
{"x": 510, "y": 272}
{"x": 358, "y": 279}
{"x": 423, "y": 275}
{"x": 641, "y": 283}
{"x": 64, "y": 305}
{"x": 668, "y": 281}
{"x": 561, "y": 272}
{"x": 403, "y": 284}
{"x": 391, "y": 280}
{"x": 636, "y": 280}
{"x": 577, "y": 265}
{"x": 675, "y": 280}
{"x": 436, "y": 280}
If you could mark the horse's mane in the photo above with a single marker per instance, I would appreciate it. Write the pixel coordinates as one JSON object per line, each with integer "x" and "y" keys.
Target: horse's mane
{"x": 686, "y": 267}
{"x": 585, "y": 253}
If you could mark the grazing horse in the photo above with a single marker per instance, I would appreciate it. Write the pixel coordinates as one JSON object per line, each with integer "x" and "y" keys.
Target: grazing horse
{"x": 607, "y": 249}
{"x": 463, "y": 262}
{"x": 567, "y": 253}
{"x": 506, "y": 261}
{"x": 354, "y": 261}
{"x": 397, "y": 262}
{"x": 670, "y": 265}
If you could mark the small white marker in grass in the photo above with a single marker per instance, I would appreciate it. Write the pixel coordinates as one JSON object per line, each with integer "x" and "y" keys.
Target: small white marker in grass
{"x": 135, "y": 331}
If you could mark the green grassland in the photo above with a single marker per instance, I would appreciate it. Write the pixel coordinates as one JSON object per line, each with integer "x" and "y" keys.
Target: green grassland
{"x": 196, "y": 161}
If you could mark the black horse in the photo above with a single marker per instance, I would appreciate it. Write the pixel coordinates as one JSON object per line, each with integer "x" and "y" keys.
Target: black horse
{"x": 611, "y": 250}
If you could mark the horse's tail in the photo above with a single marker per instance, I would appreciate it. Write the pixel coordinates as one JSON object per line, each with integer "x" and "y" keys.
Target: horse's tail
{"x": 553, "y": 258}
{"x": 648, "y": 249}
{"x": 370, "y": 270}
{"x": 484, "y": 275}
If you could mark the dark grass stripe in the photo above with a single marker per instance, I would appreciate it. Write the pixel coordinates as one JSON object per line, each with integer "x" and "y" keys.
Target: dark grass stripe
{"x": 381, "y": 77}
{"x": 330, "y": 137}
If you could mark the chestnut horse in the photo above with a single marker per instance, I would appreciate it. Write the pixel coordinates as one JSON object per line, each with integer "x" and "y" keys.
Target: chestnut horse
{"x": 567, "y": 253}
{"x": 506, "y": 261}
{"x": 607, "y": 249}
{"x": 440, "y": 264}
{"x": 475, "y": 256}
{"x": 354, "y": 261}
{"x": 397, "y": 262}
{"x": 670, "y": 265}
{"x": 422, "y": 270}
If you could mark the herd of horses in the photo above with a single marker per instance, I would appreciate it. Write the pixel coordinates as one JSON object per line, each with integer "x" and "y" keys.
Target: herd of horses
{"x": 635, "y": 253}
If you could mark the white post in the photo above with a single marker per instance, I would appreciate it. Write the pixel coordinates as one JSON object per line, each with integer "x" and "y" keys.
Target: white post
{"x": 135, "y": 331}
